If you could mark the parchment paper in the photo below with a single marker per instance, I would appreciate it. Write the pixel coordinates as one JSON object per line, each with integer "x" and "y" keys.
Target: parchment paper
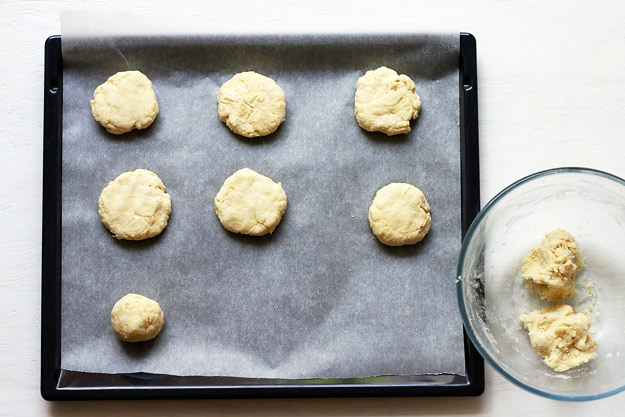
{"x": 321, "y": 297}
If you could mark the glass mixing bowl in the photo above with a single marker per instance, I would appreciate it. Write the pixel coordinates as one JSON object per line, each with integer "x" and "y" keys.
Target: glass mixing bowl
{"x": 590, "y": 205}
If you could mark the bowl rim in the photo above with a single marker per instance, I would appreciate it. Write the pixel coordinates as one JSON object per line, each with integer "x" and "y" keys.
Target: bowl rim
{"x": 459, "y": 282}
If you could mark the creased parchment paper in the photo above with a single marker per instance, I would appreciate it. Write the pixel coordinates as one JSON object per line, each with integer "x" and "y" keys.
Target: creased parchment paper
{"x": 321, "y": 297}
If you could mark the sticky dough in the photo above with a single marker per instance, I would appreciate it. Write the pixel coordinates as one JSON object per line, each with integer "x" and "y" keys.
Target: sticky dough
{"x": 551, "y": 267}
{"x": 561, "y": 337}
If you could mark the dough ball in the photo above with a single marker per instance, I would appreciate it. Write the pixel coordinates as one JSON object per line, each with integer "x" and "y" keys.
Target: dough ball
{"x": 251, "y": 104}
{"x": 136, "y": 318}
{"x": 399, "y": 215}
{"x": 135, "y": 205}
{"x": 386, "y": 102}
{"x": 551, "y": 267}
{"x": 560, "y": 336}
{"x": 250, "y": 203}
{"x": 126, "y": 101}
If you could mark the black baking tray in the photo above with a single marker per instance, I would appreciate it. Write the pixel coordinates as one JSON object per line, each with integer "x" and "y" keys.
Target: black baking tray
{"x": 59, "y": 384}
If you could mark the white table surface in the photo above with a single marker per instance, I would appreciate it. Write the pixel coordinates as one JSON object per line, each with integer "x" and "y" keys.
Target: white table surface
{"x": 551, "y": 93}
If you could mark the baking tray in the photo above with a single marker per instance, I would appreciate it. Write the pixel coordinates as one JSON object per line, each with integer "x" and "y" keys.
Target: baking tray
{"x": 59, "y": 384}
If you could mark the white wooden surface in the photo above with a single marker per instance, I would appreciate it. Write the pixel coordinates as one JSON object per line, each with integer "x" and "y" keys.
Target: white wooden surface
{"x": 551, "y": 90}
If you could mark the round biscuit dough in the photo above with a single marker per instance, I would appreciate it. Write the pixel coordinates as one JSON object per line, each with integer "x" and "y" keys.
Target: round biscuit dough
{"x": 386, "y": 102}
{"x": 135, "y": 205}
{"x": 136, "y": 318}
{"x": 251, "y": 104}
{"x": 126, "y": 101}
{"x": 399, "y": 215}
{"x": 250, "y": 203}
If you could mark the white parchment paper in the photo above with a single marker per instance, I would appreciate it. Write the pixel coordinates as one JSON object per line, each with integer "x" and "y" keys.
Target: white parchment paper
{"x": 321, "y": 297}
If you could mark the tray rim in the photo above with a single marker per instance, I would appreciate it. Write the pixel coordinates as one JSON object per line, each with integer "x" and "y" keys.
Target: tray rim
{"x": 51, "y": 264}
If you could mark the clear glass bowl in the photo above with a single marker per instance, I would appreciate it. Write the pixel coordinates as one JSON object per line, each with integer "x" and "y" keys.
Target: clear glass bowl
{"x": 491, "y": 295}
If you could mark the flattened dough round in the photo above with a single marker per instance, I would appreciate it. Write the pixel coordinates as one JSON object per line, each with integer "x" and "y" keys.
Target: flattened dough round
{"x": 251, "y": 104}
{"x": 399, "y": 215}
{"x": 135, "y": 205}
{"x": 386, "y": 102}
{"x": 250, "y": 203}
{"x": 126, "y": 101}
{"x": 136, "y": 318}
